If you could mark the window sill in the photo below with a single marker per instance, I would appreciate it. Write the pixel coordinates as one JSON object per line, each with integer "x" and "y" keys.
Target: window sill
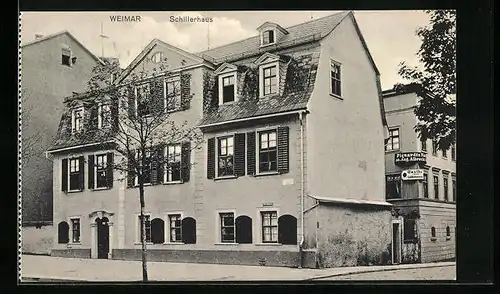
{"x": 392, "y": 151}
{"x": 74, "y": 191}
{"x": 100, "y": 189}
{"x": 336, "y": 96}
{"x": 145, "y": 184}
{"x": 174, "y": 243}
{"x": 225, "y": 178}
{"x": 267, "y": 174}
{"x": 227, "y": 103}
{"x": 173, "y": 183}
{"x": 268, "y": 244}
{"x": 268, "y": 95}
{"x": 227, "y": 244}
{"x": 267, "y": 45}
{"x": 147, "y": 243}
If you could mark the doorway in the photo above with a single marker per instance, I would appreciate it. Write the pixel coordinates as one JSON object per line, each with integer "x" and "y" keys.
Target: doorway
{"x": 396, "y": 242}
{"x": 102, "y": 237}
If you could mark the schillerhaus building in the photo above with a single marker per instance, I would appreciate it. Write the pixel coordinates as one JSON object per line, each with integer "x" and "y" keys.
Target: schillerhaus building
{"x": 420, "y": 183}
{"x": 291, "y": 171}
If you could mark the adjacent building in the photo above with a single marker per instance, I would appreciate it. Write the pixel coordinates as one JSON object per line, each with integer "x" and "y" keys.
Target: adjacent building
{"x": 290, "y": 172}
{"x": 420, "y": 182}
{"x": 52, "y": 67}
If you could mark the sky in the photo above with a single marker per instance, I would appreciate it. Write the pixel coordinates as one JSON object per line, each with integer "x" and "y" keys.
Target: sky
{"x": 390, "y": 35}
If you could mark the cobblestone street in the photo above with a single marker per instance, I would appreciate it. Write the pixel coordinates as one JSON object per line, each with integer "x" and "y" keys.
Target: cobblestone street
{"x": 432, "y": 273}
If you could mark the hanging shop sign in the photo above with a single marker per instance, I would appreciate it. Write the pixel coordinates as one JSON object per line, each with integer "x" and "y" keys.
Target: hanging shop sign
{"x": 409, "y": 157}
{"x": 412, "y": 174}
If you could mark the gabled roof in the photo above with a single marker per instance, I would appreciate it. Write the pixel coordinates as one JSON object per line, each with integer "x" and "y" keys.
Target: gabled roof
{"x": 224, "y": 67}
{"x": 58, "y": 34}
{"x": 148, "y": 48}
{"x": 313, "y": 30}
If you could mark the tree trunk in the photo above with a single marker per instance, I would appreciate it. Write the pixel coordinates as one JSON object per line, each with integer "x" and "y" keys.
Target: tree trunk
{"x": 143, "y": 231}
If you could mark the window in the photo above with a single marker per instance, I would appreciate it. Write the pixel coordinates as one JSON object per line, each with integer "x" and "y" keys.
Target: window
{"x": 142, "y": 94}
{"x": 173, "y": 154}
{"x": 270, "y": 80}
{"x": 335, "y": 78}
{"x": 228, "y": 88}
{"x": 445, "y": 153}
{"x": 62, "y": 233}
{"x": 74, "y": 174}
{"x": 66, "y": 56}
{"x": 227, "y": 227}
{"x": 448, "y": 233}
{"x": 425, "y": 186}
{"x": 147, "y": 219}
{"x": 453, "y": 153}
{"x": 75, "y": 230}
{"x": 175, "y": 221}
{"x": 267, "y": 151}
{"x": 393, "y": 141}
{"x": 268, "y": 37}
{"x": 393, "y": 186}
{"x": 434, "y": 147}
{"x": 226, "y": 156}
{"x": 436, "y": 186}
{"x": 454, "y": 189}
{"x": 269, "y": 226}
{"x": 445, "y": 186}
{"x": 104, "y": 115}
{"x": 77, "y": 120}
{"x": 423, "y": 145}
{"x": 433, "y": 233}
{"x": 146, "y": 169}
{"x": 172, "y": 94}
{"x": 101, "y": 170}
{"x": 410, "y": 231}
{"x": 157, "y": 57}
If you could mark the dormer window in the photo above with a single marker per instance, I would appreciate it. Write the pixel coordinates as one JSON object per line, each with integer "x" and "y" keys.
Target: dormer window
{"x": 66, "y": 56}
{"x": 268, "y": 37}
{"x": 77, "y": 119}
{"x": 228, "y": 88}
{"x": 103, "y": 115}
{"x": 268, "y": 74}
{"x": 270, "y": 78}
{"x": 227, "y": 79}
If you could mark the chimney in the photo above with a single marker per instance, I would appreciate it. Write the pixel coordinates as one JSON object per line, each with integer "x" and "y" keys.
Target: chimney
{"x": 38, "y": 36}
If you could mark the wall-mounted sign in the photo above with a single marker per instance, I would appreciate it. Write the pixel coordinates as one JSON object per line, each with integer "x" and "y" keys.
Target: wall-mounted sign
{"x": 412, "y": 174}
{"x": 409, "y": 157}
{"x": 268, "y": 204}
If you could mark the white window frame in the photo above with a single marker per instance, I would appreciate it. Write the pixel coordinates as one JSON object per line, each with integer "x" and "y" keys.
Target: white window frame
{"x": 260, "y": 235}
{"x": 218, "y": 231}
{"x": 165, "y": 171}
{"x": 262, "y": 37}
{"x": 73, "y": 119}
{"x": 257, "y": 150}
{"x": 138, "y": 227}
{"x": 332, "y": 62}
{"x": 437, "y": 174}
{"x": 77, "y": 158}
{"x": 70, "y": 222}
{"x": 95, "y": 169}
{"x": 232, "y": 73}
{"x": 261, "y": 77}
{"x": 135, "y": 96}
{"x": 158, "y": 53}
{"x": 99, "y": 114}
{"x": 178, "y": 105}
{"x": 222, "y": 136}
{"x": 167, "y": 231}
{"x": 390, "y": 138}
{"x": 136, "y": 178}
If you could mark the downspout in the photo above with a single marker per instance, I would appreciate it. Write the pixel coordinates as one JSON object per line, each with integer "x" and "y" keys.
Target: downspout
{"x": 302, "y": 189}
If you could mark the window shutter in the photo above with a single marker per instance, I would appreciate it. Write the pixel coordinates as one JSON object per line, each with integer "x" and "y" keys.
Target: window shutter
{"x": 157, "y": 103}
{"x": 109, "y": 169}
{"x": 160, "y": 154}
{"x": 283, "y": 153}
{"x": 63, "y": 233}
{"x": 185, "y": 91}
{"x": 251, "y": 153}
{"x": 131, "y": 102}
{"x": 64, "y": 175}
{"x": 157, "y": 231}
{"x": 93, "y": 116}
{"x": 287, "y": 230}
{"x": 211, "y": 158}
{"x": 186, "y": 161}
{"x": 81, "y": 161}
{"x": 114, "y": 114}
{"x": 239, "y": 154}
{"x": 188, "y": 230}
{"x": 91, "y": 171}
{"x": 243, "y": 225}
{"x": 154, "y": 166}
{"x": 131, "y": 171}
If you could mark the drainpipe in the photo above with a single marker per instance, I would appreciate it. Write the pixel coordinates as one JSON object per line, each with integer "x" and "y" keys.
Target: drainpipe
{"x": 302, "y": 188}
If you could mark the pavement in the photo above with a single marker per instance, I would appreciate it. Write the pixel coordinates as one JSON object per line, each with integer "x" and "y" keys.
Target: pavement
{"x": 48, "y": 268}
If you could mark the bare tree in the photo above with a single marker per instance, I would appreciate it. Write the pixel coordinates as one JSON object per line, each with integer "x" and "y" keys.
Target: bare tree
{"x": 30, "y": 146}
{"x": 140, "y": 112}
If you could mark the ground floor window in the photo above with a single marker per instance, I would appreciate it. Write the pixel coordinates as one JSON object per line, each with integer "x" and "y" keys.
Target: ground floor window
{"x": 227, "y": 227}
{"x": 410, "y": 231}
{"x": 175, "y": 227}
{"x": 448, "y": 233}
{"x": 433, "y": 234}
{"x": 148, "y": 227}
{"x": 269, "y": 226}
{"x": 75, "y": 230}
{"x": 393, "y": 186}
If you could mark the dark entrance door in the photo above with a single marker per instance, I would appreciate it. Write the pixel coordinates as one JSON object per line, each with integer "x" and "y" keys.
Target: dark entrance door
{"x": 396, "y": 243}
{"x": 102, "y": 237}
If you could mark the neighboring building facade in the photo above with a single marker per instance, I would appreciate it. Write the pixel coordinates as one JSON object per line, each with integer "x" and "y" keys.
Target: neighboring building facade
{"x": 52, "y": 67}
{"x": 424, "y": 200}
{"x": 291, "y": 171}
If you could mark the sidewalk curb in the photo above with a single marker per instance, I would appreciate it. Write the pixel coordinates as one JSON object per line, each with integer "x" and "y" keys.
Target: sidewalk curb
{"x": 377, "y": 270}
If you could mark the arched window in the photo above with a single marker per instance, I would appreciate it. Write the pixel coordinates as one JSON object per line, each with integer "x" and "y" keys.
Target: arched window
{"x": 157, "y": 231}
{"x": 433, "y": 233}
{"x": 243, "y": 229}
{"x": 63, "y": 233}
{"x": 189, "y": 230}
{"x": 287, "y": 230}
{"x": 448, "y": 232}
